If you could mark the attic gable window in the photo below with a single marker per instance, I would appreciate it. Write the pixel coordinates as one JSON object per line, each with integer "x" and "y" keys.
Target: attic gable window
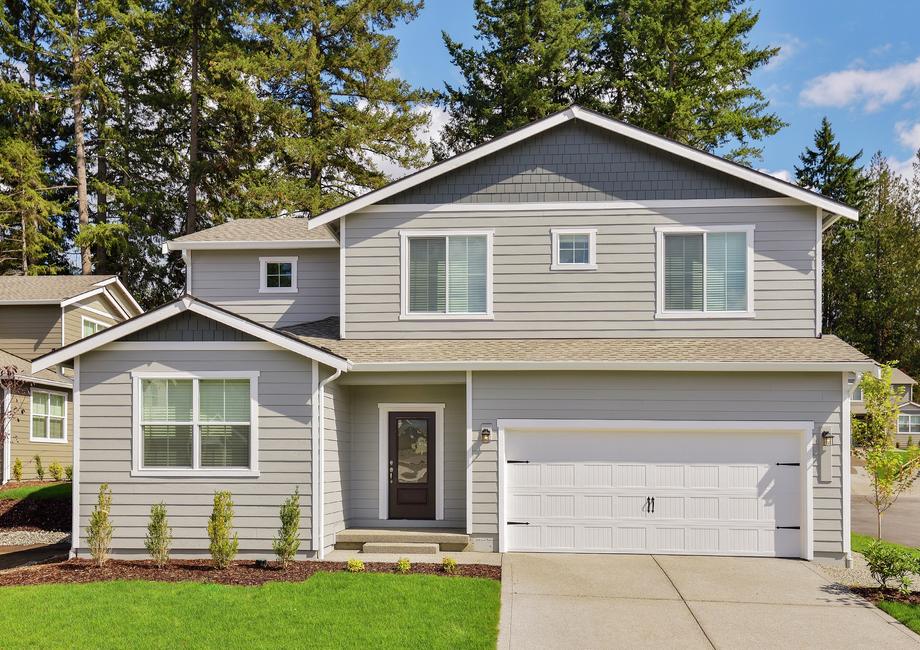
{"x": 446, "y": 274}
{"x": 277, "y": 275}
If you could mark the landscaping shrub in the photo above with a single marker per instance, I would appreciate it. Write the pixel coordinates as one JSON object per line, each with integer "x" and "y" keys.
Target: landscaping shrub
{"x": 159, "y": 535}
{"x": 449, "y": 565}
{"x": 99, "y": 531}
{"x": 354, "y": 565}
{"x": 910, "y": 441}
{"x": 68, "y": 473}
{"x": 39, "y": 468}
{"x": 223, "y": 548}
{"x": 57, "y": 471}
{"x": 17, "y": 470}
{"x": 403, "y": 565}
{"x": 888, "y": 562}
{"x": 288, "y": 540}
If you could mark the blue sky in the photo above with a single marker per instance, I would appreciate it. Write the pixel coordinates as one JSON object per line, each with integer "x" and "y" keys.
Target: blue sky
{"x": 856, "y": 62}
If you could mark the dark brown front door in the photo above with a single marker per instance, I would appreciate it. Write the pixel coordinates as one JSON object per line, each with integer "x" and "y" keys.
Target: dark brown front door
{"x": 411, "y": 465}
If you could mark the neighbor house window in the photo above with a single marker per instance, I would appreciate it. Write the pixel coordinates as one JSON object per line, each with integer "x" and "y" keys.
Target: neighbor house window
{"x": 49, "y": 417}
{"x": 909, "y": 424}
{"x": 446, "y": 275}
{"x": 197, "y": 423}
{"x": 705, "y": 272}
{"x": 574, "y": 249}
{"x": 278, "y": 274}
{"x": 91, "y": 326}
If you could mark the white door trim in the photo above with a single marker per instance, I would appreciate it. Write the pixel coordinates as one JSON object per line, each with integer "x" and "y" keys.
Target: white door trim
{"x": 805, "y": 429}
{"x": 383, "y": 450}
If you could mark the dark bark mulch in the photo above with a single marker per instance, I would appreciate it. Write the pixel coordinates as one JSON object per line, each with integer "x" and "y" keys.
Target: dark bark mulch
{"x": 35, "y": 514}
{"x": 876, "y": 594}
{"x": 239, "y": 573}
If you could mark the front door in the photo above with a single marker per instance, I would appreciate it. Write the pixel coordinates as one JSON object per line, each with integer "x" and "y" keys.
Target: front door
{"x": 411, "y": 465}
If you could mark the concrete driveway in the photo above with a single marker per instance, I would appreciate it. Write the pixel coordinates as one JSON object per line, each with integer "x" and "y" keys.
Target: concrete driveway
{"x": 643, "y": 601}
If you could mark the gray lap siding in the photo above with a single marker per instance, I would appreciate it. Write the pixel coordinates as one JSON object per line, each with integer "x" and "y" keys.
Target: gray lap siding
{"x": 284, "y": 423}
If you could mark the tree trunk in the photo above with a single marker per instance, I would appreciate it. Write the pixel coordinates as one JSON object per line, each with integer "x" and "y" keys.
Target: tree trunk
{"x": 25, "y": 256}
{"x": 191, "y": 215}
{"x": 102, "y": 177}
{"x": 82, "y": 200}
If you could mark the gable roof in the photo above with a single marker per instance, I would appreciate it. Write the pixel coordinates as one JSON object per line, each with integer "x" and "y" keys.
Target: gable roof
{"x": 901, "y": 378}
{"x": 281, "y": 232}
{"x": 63, "y": 290}
{"x": 24, "y": 371}
{"x": 833, "y": 208}
{"x": 206, "y": 309}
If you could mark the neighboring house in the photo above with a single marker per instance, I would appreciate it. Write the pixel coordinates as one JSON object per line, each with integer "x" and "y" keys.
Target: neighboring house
{"x": 39, "y": 314}
{"x": 579, "y": 337}
{"x": 908, "y": 430}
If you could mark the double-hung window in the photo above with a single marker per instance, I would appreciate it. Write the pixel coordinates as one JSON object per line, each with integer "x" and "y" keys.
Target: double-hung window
{"x": 909, "y": 424}
{"x": 196, "y": 424}
{"x": 91, "y": 326}
{"x": 705, "y": 272}
{"x": 574, "y": 249}
{"x": 49, "y": 417}
{"x": 446, "y": 274}
{"x": 277, "y": 275}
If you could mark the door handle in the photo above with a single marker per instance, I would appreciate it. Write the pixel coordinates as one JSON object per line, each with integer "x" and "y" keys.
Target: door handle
{"x": 653, "y": 504}
{"x": 648, "y": 504}
{"x": 391, "y": 471}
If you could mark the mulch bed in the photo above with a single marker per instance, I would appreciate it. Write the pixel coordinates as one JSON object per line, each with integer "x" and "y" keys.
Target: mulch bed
{"x": 238, "y": 573}
{"x": 876, "y": 594}
{"x": 35, "y": 514}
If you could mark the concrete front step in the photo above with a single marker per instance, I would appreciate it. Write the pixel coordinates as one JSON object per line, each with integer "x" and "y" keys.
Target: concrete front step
{"x": 445, "y": 539}
{"x": 396, "y": 547}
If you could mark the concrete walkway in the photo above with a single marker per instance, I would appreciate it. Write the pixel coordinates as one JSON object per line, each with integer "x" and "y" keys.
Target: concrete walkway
{"x": 643, "y": 601}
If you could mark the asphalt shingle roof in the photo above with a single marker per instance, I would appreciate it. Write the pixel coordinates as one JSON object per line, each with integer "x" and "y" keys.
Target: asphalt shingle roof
{"x": 46, "y": 287}
{"x": 273, "y": 230}
{"x": 24, "y": 368}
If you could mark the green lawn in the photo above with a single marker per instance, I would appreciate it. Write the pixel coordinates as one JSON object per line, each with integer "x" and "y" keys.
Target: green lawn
{"x": 50, "y": 491}
{"x": 909, "y": 615}
{"x": 860, "y": 543}
{"x": 337, "y": 610}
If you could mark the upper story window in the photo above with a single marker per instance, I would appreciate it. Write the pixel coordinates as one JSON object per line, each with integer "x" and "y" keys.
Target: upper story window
{"x": 857, "y": 394}
{"x": 705, "y": 272}
{"x": 909, "y": 424}
{"x": 188, "y": 424}
{"x": 49, "y": 417}
{"x": 91, "y": 326}
{"x": 574, "y": 249}
{"x": 277, "y": 274}
{"x": 446, "y": 274}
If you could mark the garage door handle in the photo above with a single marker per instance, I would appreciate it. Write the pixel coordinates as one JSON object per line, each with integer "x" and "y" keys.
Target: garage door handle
{"x": 648, "y": 504}
{"x": 653, "y": 504}
{"x": 518, "y": 523}
{"x": 788, "y": 528}
{"x": 789, "y": 464}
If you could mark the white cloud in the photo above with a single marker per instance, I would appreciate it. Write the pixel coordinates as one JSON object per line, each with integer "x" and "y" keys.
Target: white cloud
{"x": 904, "y": 168}
{"x": 908, "y": 134}
{"x": 873, "y": 88}
{"x": 431, "y": 132}
{"x": 789, "y": 46}
{"x": 781, "y": 174}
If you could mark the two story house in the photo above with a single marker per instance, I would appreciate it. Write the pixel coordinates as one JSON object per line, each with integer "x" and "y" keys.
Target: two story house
{"x": 39, "y": 314}
{"x": 908, "y": 427}
{"x": 578, "y": 337}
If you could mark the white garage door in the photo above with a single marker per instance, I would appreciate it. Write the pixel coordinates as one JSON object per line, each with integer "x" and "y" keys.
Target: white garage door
{"x": 722, "y": 493}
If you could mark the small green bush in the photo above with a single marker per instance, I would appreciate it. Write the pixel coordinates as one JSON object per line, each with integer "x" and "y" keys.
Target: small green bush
{"x": 449, "y": 565}
{"x": 57, "y": 471}
{"x": 99, "y": 532}
{"x": 888, "y": 562}
{"x": 68, "y": 473}
{"x": 223, "y": 548}
{"x": 288, "y": 540}
{"x": 39, "y": 468}
{"x": 159, "y": 535}
{"x": 910, "y": 441}
{"x": 17, "y": 470}
{"x": 354, "y": 565}
{"x": 403, "y": 565}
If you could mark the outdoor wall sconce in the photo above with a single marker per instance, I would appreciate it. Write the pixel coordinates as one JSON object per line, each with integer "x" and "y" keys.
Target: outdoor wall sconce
{"x": 825, "y": 472}
{"x": 827, "y": 439}
{"x": 485, "y": 432}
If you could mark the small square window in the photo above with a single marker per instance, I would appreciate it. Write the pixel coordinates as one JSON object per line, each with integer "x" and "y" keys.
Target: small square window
{"x": 278, "y": 275}
{"x": 574, "y": 250}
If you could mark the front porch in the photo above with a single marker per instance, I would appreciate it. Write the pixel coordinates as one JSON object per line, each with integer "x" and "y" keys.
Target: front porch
{"x": 402, "y": 540}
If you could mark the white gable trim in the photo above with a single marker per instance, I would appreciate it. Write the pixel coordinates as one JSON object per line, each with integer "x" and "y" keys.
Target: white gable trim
{"x": 582, "y": 206}
{"x": 614, "y": 126}
{"x": 187, "y": 303}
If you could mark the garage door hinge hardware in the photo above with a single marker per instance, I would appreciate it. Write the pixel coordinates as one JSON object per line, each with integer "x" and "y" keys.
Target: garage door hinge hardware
{"x": 518, "y": 523}
{"x": 789, "y": 464}
{"x": 788, "y": 528}
{"x": 517, "y": 462}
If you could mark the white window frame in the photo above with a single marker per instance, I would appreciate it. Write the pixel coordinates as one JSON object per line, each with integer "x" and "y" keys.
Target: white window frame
{"x": 661, "y": 312}
{"x": 263, "y": 274}
{"x": 196, "y": 470}
{"x": 86, "y": 319}
{"x": 32, "y": 437}
{"x": 404, "y": 237}
{"x": 592, "y": 249}
{"x": 908, "y": 416}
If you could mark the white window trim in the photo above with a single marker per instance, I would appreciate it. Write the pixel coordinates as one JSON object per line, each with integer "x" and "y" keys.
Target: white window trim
{"x": 263, "y": 274}
{"x": 661, "y": 312}
{"x": 32, "y": 437}
{"x": 86, "y": 319}
{"x": 404, "y": 237}
{"x": 592, "y": 249}
{"x": 908, "y": 416}
{"x": 383, "y": 486}
{"x": 196, "y": 470}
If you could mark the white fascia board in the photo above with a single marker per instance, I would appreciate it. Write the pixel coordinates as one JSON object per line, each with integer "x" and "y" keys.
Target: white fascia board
{"x": 44, "y": 382}
{"x": 615, "y": 126}
{"x": 581, "y": 206}
{"x": 96, "y": 292}
{"x": 635, "y": 366}
{"x": 247, "y": 245}
{"x": 131, "y": 301}
{"x": 30, "y": 302}
{"x": 121, "y": 330}
{"x": 750, "y": 426}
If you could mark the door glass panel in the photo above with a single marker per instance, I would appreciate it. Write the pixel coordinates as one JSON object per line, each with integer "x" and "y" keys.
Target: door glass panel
{"x": 412, "y": 442}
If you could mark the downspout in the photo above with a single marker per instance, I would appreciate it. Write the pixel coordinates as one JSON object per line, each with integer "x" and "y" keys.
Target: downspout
{"x": 75, "y": 480}
{"x": 846, "y": 450}
{"x": 320, "y": 470}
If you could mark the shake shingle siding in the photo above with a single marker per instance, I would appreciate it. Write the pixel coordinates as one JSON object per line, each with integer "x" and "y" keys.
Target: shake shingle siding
{"x": 579, "y": 162}
{"x": 284, "y": 450}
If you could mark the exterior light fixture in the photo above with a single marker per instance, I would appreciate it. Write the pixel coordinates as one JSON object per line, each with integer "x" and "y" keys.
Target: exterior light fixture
{"x": 827, "y": 439}
{"x": 485, "y": 432}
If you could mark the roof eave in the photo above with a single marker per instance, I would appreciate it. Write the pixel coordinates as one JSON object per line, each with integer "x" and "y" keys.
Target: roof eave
{"x": 249, "y": 244}
{"x": 648, "y": 366}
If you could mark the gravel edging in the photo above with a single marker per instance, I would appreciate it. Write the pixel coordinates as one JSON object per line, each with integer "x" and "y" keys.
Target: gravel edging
{"x": 857, "y": 575}
{"x": 30, "y": 537}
